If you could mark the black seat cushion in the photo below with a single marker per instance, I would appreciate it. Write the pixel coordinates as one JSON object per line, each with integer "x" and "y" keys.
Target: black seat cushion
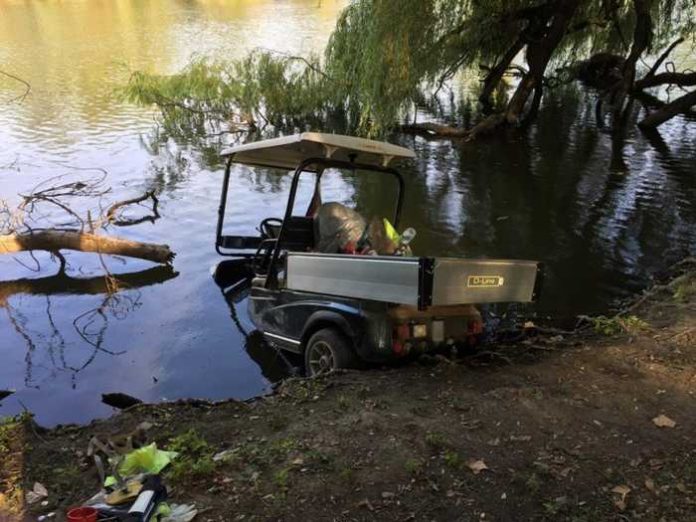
{"x": 298, "y": 234}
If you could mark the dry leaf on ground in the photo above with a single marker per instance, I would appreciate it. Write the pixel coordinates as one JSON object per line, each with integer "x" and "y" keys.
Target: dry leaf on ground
{"x": 622, "y": 490}
{"x": 650, "y": 484}
{"x": 662, "y": 421}
{"x": 477, "y": 466}
{"x": 40, "y": 489}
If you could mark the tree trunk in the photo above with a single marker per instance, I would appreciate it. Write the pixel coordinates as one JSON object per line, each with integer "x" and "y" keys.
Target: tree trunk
{"x": 56, "y": 240}
{"x": 539, "y": 52}
{"x": 496, "y": 73}
{"x": 541, "y": 44}
{"x": 642, "y": 38}
{"x": 668, "y": 112}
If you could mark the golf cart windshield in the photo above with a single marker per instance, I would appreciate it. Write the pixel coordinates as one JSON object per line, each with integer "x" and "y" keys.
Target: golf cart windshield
{"x": 306, "y": 154}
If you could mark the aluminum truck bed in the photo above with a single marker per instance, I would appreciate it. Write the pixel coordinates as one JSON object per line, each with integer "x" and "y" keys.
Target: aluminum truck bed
{"x": 417, "y": 281}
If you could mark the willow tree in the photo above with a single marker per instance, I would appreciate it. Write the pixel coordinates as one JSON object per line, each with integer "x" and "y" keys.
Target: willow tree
{"x": 386, "y": 56}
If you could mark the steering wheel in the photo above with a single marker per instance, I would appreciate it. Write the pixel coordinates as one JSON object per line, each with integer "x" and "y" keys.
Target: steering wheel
{"x": 269, "y": 227}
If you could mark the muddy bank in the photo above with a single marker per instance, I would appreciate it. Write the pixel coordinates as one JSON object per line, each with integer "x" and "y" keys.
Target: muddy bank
{"x": 553, "y": 428}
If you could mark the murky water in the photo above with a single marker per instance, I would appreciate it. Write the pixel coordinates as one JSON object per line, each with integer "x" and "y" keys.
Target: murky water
{"x": 602, "y": 213}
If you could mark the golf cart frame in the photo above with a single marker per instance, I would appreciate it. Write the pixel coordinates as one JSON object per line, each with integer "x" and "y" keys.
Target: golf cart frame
{"x": 237, "y": 246}
{"x": 338, "y": 309}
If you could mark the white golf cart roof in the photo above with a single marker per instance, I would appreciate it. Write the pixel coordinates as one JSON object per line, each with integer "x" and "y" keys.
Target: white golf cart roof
{"x": 289, "y": 151}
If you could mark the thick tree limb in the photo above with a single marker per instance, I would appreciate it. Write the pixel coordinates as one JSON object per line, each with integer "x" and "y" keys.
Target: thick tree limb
{"x": 662, "y": 58}
{"x": 653, "y": 102}
{"x": 56, "y": 240}
{"x": 667, "y": 78}
{"x": 539, "y": 52}
{"x": 541, "y": 41}
{"x": 669, "y": 111}
{"x": 435, "y": 129}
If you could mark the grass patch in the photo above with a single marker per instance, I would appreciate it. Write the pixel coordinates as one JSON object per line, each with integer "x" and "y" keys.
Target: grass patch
{"x": 452, "y": 459}
{"x": 414, "y": 466}
{"x": 195, "y": 459}
{"x": 282, "y": 479}
{"x": 611, "y": 326}
{"x": 435, "y": 440}
{"x": 343, "y": 402}
{"x": 684, "y": 288}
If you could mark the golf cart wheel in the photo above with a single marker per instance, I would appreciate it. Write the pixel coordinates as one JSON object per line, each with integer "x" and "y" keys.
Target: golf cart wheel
{"x": 328, "y": 350}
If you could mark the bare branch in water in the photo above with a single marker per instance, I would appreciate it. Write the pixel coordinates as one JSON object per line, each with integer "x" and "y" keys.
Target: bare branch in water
{"x": 71, "y": 228}
{"x": 27, "y": 87}
{"x": 126, "y": 222}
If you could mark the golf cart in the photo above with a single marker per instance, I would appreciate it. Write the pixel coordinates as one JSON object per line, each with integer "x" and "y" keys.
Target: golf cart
{"x": 334, "y": 300}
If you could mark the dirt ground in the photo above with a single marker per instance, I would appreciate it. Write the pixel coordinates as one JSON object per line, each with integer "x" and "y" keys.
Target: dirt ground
{"x": 551, "y": 428}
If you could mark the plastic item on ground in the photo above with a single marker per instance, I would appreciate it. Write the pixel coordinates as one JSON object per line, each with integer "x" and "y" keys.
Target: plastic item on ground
{"x": 124, "y": 494}
{"x": 176, "y": 512}
{"x": 147, "y": 459}
{"x": 152, "y": 493}
{"x": 82, "y": 514}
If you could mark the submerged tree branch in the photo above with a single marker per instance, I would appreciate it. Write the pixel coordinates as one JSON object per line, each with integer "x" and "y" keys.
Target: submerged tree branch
{"x": 27, "y": 87}
{"x": 124, "y": 222}
{"x": 669, "y": 111}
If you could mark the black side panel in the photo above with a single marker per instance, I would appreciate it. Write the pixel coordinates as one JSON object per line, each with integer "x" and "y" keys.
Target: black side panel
{"x": 425, "y": 282}
{"x": 539, "y": 282}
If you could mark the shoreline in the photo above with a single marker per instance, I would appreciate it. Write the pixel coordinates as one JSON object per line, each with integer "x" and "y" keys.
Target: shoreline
{"x": 554, "y": 427}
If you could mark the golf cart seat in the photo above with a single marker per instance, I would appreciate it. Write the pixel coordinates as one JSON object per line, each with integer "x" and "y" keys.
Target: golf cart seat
{"x": 298, "y": 236}
{"x": 299, "y": 232}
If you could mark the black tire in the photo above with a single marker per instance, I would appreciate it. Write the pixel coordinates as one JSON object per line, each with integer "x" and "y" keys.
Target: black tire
{"x": 328, "y": 350}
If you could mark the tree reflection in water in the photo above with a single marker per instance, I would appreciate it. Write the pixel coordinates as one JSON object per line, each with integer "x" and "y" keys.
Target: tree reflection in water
{"x": 121, "y": 296}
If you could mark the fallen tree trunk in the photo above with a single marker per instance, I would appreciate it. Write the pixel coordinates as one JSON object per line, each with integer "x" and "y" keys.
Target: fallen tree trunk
{"x": 668, "y": 112}
{"x": 56, "y": 240}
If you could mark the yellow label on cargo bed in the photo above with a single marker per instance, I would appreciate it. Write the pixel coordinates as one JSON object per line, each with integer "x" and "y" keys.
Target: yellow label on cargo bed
{"x": 481, "y": 281}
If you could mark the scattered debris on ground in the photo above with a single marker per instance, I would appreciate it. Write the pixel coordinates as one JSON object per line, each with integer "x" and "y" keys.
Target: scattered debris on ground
{"x": 597, "y": 425}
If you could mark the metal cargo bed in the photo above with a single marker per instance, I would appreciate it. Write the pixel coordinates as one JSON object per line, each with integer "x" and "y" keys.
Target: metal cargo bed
{"x": 417, "y": 281}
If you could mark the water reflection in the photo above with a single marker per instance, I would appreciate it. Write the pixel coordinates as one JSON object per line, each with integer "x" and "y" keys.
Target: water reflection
{"x": 275, "y": 364}
{"x": 74, "y": 54}
{"x": 602, "y": 211}
{"x": 46, "y": 347}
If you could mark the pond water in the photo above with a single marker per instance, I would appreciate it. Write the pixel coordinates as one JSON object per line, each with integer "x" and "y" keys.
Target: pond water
{"x": 603, "y": 213}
